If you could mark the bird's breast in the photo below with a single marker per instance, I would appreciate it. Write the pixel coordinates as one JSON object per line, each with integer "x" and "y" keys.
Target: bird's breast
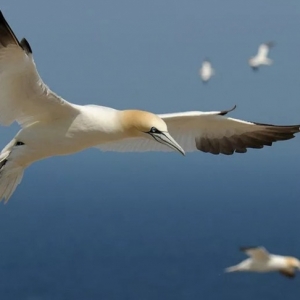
{"x": 64, "y": 137}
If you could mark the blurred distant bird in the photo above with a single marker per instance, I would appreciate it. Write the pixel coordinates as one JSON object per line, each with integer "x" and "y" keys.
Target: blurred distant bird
{"x": 206, "y": 71}
{"x": 261, "y": 58}
{"x": 52, "y": 126}
{"x": 262, "y": 261}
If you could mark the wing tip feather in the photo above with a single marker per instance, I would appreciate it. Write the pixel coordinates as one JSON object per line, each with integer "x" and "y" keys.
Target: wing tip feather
{"x": 225, "y": 112}
{"x": 7, "y": 36}
{"x": 26, "y": 46}
{"x": 246, "y": 248}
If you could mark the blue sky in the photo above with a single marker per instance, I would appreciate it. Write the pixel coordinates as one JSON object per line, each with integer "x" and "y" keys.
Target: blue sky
{"x": 146, "y": 55}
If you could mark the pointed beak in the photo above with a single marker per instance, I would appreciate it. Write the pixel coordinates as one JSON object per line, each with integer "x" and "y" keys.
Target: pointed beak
{"x": 166, "y": 139}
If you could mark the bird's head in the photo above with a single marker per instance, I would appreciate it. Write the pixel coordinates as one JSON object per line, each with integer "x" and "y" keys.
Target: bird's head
{"x": 293, "y": 262}
{"x": 144, "y": 124}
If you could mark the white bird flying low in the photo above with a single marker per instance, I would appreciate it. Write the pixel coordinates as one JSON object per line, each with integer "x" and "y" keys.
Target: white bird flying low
{"x": 261, "y": 58}
{"x": 262, "y": 261}
{"x": 206, "y": 71}
{"x": 52, "y": 126}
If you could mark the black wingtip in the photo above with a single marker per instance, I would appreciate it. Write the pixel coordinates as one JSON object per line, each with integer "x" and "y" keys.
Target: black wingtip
{"x": 7, "y": 36}
{"x": 270, "y": 44}
{"x": 26, "y": 46}
{"x": 245, "y": 248}
{"x": 282, "y": 128}
{"x": 1, "y": 16}
{"x": 225, "y": 112}
{"x": 3, "y": 21}
{"x": 287, "y": 274}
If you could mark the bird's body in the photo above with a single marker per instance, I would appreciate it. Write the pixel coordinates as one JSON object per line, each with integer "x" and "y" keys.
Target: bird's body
{"x": 275, "y": 263}
{"x": 261, "y": 58}
{"x": 92, "y": 125}
{"x": 262, "y": 261}
{"x": 52, "y": 126}
{"x": 206, "y": 71}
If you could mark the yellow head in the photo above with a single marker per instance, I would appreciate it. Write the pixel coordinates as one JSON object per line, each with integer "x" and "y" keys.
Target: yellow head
{"x": 138, "y": 123}
{"x": 293, "y": 262}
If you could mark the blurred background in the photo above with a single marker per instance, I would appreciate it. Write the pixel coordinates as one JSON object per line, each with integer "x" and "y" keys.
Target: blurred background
{"x": 145, "y": 226}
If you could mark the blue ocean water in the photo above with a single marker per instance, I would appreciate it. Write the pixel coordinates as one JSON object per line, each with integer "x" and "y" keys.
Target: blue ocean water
{"x": 146, "y": 232}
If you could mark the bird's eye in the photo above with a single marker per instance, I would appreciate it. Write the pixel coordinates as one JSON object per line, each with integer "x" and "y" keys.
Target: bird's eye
{"x": 153, "y": 130}
{"x": 19, "y": 143}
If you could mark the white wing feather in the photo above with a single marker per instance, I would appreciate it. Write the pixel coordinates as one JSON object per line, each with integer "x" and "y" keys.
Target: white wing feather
{"x": 257, "y": 253}
{"x": 263, "y": 51}
{"x": 24, "y": 97}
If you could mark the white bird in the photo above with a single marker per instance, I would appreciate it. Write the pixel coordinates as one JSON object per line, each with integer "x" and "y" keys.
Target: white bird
{"x": 206, "y": 71}
{"x": 261, "y": 58}
{"x": 262, "y": 261}
{"x": 52, "y": 126}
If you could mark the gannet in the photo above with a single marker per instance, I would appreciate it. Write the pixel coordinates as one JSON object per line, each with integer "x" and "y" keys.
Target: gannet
{"x": 206, "y": 71}
{"x": 52, "y": 126}
{"x": 261, "y": 58}
{"x": 262, "y": 261}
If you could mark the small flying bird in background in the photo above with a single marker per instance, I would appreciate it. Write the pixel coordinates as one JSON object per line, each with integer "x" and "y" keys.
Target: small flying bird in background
{"x": 262, "y": 261}
{"x": 261, "y": 58}
{"x": 206, "y": 71}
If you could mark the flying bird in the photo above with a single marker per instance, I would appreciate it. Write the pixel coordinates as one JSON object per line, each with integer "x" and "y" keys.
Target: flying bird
{"x": 206, "y": 71}
{"x": 52, "y": 126}
{"x": 262, "y": 261}
{"x": 261, "y": 58}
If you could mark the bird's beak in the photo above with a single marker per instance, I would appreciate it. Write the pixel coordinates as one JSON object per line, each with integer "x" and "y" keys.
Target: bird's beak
{"x": 166, "y": 139}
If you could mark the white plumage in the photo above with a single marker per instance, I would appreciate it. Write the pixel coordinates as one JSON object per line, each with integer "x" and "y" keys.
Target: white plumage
{"x": 261, "y": 58}
{"x": 206, "y": 71}
{"x": 262, "y": 261}
{"x": 53, "y": 126}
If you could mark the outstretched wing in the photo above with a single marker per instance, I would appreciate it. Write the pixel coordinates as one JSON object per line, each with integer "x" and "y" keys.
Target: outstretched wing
{"x": 211, "y": 132}
{"x": 23, "y": 95}
{"x": 257, "y": 253}
{"x": 263, "y": 49}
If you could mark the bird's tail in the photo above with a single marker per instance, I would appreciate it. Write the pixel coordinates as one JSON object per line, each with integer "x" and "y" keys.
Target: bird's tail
{"x": 10, "y": 176}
